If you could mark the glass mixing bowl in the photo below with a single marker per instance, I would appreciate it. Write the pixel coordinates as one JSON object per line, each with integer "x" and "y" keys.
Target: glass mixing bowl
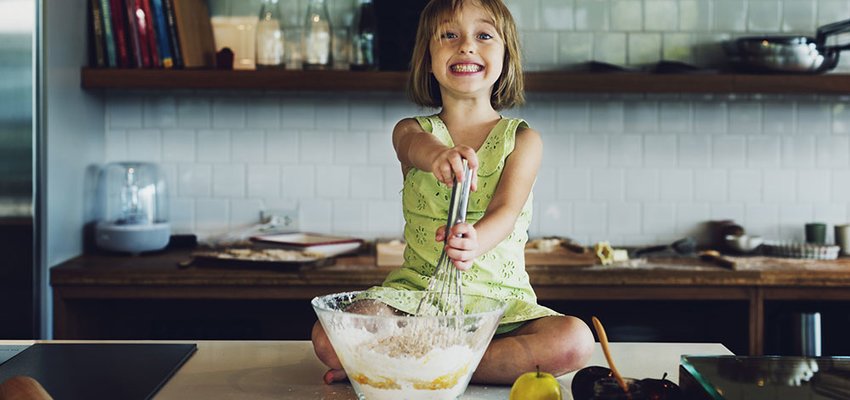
{"x": 404, "y": 356}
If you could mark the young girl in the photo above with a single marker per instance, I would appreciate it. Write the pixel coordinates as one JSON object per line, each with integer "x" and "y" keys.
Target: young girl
{"x": 467, "y": 62}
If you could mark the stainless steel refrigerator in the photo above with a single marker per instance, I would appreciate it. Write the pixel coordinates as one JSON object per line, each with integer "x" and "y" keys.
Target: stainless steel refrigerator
{"x": 19, "y": 274}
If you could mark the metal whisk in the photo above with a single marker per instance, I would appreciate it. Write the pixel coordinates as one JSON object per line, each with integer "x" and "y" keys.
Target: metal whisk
{"x": 444, "y": 296}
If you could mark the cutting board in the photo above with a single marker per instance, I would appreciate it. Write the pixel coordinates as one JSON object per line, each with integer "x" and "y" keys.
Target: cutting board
{"x": 760, "y": 263}
{"x": 391, "y": 254}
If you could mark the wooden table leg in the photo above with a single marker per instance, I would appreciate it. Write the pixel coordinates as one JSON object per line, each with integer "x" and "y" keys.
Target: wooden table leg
{"x": 756, "y": 319}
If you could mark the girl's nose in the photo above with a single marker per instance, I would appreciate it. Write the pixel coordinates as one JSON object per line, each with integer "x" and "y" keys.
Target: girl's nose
{"x": 467, "y": 47}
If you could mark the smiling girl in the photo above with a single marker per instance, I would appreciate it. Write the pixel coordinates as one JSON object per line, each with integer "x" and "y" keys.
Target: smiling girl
{"x": 467, "y": 63}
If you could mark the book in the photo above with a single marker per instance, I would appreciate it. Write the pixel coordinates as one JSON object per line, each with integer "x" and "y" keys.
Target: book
{"x": 99, "y": 370}
{"x": 96, "y": 51}
{"x": 150, "y": 32}
{"x": 119, "y": 29}
{"x": 108, "y": 35}
{"x": 194, "y": 29}
{"x": 174, "y": 39}
{"x": 162, "y": 39}
{"x": 135, "y": 45}
{"x": 139, "y": 32}
{"x": 326, "y": 245}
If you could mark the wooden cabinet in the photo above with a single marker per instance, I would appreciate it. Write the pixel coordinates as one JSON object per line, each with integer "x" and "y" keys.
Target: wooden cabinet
{"x": 552, "y": 82}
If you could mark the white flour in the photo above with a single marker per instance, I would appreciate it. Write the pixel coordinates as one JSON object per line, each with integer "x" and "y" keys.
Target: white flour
{"x": 407, "y": 363}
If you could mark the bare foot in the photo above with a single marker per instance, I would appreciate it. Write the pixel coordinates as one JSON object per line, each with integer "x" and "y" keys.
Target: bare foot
{"x": 334, "y": 375}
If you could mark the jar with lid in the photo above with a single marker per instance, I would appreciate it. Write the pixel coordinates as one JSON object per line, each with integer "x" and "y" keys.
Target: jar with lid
{"x": 364, "y": 37}
{"x": 269, "y": 36}
{"x": 317, "y": 37}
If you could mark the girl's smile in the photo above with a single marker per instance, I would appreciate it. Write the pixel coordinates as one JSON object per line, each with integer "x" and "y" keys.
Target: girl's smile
{"x": 466, "y": 68}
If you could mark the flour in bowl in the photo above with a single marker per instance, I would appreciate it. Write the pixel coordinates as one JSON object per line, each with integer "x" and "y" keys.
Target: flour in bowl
{"x": 415, "y": 361}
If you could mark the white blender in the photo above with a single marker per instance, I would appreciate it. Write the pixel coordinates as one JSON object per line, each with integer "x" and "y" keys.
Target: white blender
{"x": 134, "y": 208}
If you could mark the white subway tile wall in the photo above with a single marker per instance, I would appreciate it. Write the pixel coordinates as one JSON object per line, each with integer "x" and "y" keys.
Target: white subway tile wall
{"x": 630, "y": 169}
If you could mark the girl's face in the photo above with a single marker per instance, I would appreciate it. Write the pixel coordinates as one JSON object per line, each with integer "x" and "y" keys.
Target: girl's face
{"x": 467, "y": 56}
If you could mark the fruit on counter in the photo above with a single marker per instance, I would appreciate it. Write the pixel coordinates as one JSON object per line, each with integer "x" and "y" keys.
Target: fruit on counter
{"x": 584, "y": 379}
{"x": 654, "y": 389}
{"x": 536, "y": 386}
{"x": 661, "y": 389}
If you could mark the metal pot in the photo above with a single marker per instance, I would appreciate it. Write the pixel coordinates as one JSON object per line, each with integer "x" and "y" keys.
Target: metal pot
{"x": 788, "y": 54}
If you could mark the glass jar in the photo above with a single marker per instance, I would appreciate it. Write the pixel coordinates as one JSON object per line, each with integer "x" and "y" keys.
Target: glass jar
{"x": 269, "y": 36}
{"x": 234, "y": 28}
{"x": 317, "y": 37}
{"x": 364, "y": 38}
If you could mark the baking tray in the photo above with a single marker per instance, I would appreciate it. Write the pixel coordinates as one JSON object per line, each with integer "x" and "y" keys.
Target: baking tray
{"x": 327, "y": 245}
{"x": 224, "y": 258}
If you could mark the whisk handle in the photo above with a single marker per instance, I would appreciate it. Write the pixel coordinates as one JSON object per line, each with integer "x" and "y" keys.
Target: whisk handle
{"x": 464, "y": 194}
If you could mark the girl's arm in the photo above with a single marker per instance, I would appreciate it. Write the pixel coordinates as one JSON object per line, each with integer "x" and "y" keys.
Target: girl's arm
{"x": 510, "y": 196}
{"x": 418, "y": 149}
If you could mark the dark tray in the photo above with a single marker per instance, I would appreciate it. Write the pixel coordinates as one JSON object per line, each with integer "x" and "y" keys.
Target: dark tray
{"x": 202, "y": 260}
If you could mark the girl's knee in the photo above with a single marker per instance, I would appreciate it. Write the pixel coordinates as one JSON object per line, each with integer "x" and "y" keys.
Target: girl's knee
{"x": 574, "y": 343}
{"x": 322, "y": 345}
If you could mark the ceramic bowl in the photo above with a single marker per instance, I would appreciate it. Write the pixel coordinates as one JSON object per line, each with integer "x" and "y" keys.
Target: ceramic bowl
{"x": 744, "y": 243}
{"x": 408, "y": 357}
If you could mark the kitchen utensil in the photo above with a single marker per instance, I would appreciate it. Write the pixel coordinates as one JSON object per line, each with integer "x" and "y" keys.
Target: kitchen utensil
{"x": 408, "y": 356}
{"x": 714, "y": 256}
{"x": 788, "y": 54}
{"x": 256, "y": 258}
{"x": 444, "y": 291}
{"x": 743, "y": 243}
{"x": 603, "y": 340}
{"x": 327, "y": 245}
{"x": 801, "y": 250}
{"x": 682, "y": 246}
{"x": 134, "y": 203}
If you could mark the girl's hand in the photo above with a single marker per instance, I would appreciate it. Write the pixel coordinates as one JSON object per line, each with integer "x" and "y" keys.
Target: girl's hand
{"x": 462, "y": 245}
{"x": 448, "y": 164}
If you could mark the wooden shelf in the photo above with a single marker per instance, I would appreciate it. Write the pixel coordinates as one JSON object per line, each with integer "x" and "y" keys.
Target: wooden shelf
{"x": 565, "y": 82}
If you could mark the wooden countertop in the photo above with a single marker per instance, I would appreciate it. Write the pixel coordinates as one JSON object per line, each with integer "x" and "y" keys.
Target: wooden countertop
{"x": 95, "y": 279}
{"x": 361, "y": 271}
{"x": 290, "y": 369}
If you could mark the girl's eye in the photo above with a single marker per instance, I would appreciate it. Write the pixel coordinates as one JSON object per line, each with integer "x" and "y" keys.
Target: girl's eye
{"x": 485, "y": 36}
{"x": 448, "y": 35}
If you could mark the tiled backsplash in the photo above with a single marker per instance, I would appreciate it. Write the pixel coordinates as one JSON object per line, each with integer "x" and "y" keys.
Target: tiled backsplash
{"x": 632, "y": 169}
{"x": 559, "y": 33}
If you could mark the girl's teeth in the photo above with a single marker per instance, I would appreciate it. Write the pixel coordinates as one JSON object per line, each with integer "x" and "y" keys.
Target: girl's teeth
{"x": 466, "y": 68}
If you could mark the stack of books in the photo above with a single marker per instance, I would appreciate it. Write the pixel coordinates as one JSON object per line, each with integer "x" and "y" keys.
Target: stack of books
{"x": 151, "y": 34}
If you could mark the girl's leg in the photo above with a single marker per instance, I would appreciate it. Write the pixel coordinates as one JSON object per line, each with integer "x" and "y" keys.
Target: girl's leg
{"x": 322, "y": 345}
{"x": 556, "y": 344}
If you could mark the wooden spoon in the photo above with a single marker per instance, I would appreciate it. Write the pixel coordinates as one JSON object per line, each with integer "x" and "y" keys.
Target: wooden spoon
{"x": 603, "y": 340}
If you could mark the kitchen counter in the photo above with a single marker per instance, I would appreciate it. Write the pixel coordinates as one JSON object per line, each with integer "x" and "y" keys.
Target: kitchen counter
{"x": 289, "y": 369}
{"x": 84, "y": 286}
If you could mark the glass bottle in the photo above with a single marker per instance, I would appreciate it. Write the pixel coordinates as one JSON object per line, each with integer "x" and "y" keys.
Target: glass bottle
{"x": 317, "y": 37}
{"x": 364, "y": 38}
{"x": 269, "y": 36}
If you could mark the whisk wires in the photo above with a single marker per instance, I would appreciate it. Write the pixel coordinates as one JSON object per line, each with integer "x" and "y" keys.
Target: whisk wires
{"x": 444, "y": 295}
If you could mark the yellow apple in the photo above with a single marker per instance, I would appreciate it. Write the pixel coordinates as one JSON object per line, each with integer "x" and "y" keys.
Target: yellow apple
{"x": 536, "y": 386}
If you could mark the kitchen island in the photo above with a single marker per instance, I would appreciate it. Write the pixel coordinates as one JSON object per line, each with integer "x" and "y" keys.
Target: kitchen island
{"x": 290, "y": 370}
{"x": 148, "y": 297}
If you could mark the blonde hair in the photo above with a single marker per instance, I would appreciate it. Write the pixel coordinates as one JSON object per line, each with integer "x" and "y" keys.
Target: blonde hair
{"x": 424, "y": 89}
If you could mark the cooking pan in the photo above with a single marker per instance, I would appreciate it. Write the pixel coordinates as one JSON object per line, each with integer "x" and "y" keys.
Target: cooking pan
{"x": 788, "y": 54}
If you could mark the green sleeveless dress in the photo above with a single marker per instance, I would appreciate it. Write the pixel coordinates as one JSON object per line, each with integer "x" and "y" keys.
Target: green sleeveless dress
{"x": 499, "y": 273}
